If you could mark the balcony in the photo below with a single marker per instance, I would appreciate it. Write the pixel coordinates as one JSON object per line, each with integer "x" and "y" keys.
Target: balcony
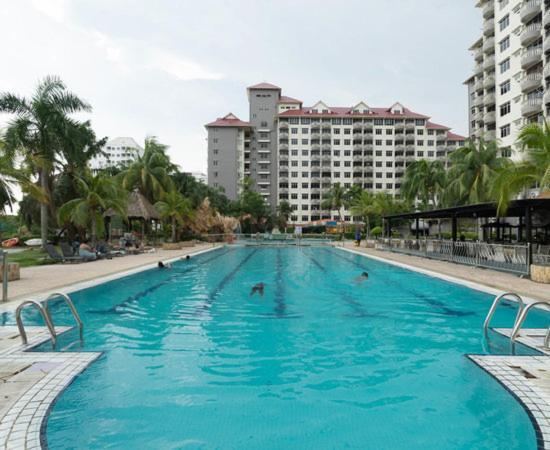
{"x": 489, "y": 82}
{"x": 357, "y": 126}
{"x": 283, "y": 125}
{"x": 478, "y": 69}
{"x": 399, "y": 137}
{"x": 490, "y": 117}
{"x": 358, "y": 157}
{"x": 489, "y": 135}
{"x": 530, "y": 10}
{"x": 326, "y": 147}
{"x": 546, "y": 45}
{"x": 478, "y": 84}
{"x": 315, "y": 136}
{"x": 546, "y": 97}
{"x": 478, "y": 54}
{"x": 409, "y": 126}
{"x": 478, "y": 101}
{"x": 282, "y": 135}
{"x": 488, "y": 9}
{"x": 530, "y": 34}
{"x": 368, "y": 147}
{"x": 399, "y": 148}
{"x": 283, "y": 157}
{"x": 283, "y": 146}
{"x": 326, "y": 136}
{"x": 489, "y": 45}
{"x": 489, "y": 99}
{"x": 368, "y": 136}
{"x": 409, "y": 148}
{"x": 489, "y": 28}
{"x": 546, "y": 18}
{"x": 358, "y": 147}
{"x": 546, "y": 71}
{"x": 531, "y": 82}
{"x": 399, "y": 126}
{"x": 488, "y": 62}
{"x": 315, "y": 146}
{"x": 531, "y": 106}
{"x": 531, "y": 57}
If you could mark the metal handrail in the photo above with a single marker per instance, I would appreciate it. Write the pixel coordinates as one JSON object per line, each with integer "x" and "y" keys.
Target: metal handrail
{"x": 493, "y": 308}
{"x": 521, "y": 319}
{"x": 71, "y": 306}
{"x": 44, "y": 315}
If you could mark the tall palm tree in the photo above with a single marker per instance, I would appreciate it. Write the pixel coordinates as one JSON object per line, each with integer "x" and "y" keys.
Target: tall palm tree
{"x": 37, "y": 129}
{"x": 474, "y": 166}
{"x": 364, "y": 206}
{"x": 97, "y": 194}
{"x": 150, "y": 172}
{"x": 335, "y": 199}
{"x": 176, "y": 208}
{"x": 285, "y": 211}
{"x": 424, "y": 180}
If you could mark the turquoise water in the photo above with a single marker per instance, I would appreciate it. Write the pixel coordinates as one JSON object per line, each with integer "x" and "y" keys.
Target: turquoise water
{"x": 321, "y": 361}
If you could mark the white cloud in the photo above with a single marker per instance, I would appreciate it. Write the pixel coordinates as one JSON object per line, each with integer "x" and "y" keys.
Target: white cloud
{"x": 182, "y": 69}
{"x": 54, "y": 9}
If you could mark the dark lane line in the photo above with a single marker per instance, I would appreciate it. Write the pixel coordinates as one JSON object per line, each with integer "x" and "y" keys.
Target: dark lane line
{"x": 280, "y": 307}
{"x": 358, "y": 309}
{"x": 133, "y": 298}
{"x": 437, "y": 303}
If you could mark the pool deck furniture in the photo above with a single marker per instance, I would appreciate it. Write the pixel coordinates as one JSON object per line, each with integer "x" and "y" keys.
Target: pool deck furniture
{"x": 54, "y": 254}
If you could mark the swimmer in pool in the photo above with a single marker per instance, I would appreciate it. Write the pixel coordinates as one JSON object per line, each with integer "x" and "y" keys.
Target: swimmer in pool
{"x": 259, "y": 288}
{"x": 161, "y": 265}
{"x": 363, "y": 277}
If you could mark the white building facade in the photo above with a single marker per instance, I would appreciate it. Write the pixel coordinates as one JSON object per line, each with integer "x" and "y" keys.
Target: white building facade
{"x": 296, "y": 154}
{"x": 507, "y": 88}
{"x": 118, "y": 152}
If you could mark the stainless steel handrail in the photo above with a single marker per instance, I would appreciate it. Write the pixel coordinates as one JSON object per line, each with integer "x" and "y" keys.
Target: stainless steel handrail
{"x": 70, "y": 303}
{"x": 44, "y": 315}
{"x": 493, "y": 308}
{"x": 521, "y": 319}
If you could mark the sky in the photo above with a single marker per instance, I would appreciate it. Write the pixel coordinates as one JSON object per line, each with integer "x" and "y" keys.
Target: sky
{"x": 167, "y": 67}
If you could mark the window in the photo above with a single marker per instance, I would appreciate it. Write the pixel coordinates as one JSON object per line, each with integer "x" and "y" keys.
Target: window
{"x": 215, "y": 151}
{"x": 378, "y": 131}
{"x": 214, "y": 163}
{"x": 378, "y": 142}
{"x": 294, "y": 130}
{"x": 505, "y": 109}
{"x": 505, "y": 43}
{"x": 347, "y": 141}
{"x": 305, "y": 141}
{"x": 505, "y": 131}
{"x": 389, "y": 131}
{"x": 294, "y": 141}
{"x": 336, "y": 142}
{"x": 215, "y": 141}
{"x": 305, "y": 130}
{"x": 504, "y": 22}
{"x": 505, "y": 87}
{"x": 505, "y": 65}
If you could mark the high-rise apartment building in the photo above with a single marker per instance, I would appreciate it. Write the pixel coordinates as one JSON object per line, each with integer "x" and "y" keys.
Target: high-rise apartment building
{"x": 295, "y": 153}
{"x": 507, "y": 89}
{"x": 117, "y": 152}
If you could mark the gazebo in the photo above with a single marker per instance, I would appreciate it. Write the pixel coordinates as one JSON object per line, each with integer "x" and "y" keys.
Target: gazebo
{"x": 138, "y": 209}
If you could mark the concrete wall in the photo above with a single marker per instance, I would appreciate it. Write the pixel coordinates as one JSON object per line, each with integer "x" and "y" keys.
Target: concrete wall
{"x": 225, "y": 159}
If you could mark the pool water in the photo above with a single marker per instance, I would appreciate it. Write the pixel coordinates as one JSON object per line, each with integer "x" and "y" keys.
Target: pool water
{"x": 322, "y": 360}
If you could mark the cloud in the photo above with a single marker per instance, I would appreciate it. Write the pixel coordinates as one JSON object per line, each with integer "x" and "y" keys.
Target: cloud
{"x": 182, "y": 69}
{"x": 54, "y": 9}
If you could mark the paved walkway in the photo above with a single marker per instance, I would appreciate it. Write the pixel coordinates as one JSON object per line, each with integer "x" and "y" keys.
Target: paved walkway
{"x": 40, "y": 279}
{"x": 491, "y": 278}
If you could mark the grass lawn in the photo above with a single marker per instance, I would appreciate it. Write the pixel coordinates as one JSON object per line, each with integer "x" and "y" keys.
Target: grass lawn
{"x": 30, "y": 257}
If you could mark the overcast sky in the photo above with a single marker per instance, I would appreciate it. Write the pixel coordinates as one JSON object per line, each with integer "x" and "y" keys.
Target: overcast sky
{"x": 166, "y": 68}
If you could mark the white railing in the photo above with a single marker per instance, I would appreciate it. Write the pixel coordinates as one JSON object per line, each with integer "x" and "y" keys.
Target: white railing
{"x": 508, "y": 258}
{"x": 271, "y": 239}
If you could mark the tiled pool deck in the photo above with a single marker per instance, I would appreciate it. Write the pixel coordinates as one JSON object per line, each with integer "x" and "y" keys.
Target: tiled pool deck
{"x": 31, "y": 381}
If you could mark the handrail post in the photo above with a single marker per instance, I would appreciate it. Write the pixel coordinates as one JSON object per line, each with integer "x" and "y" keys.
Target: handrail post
{"x": 45, "y": 317}
{"x": 493, "y": 308}
{"x": 5, "y": 274}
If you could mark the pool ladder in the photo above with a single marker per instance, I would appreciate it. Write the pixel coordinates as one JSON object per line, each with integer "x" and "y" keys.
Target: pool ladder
{"x": 46, "y": 316}
{"x": 521, "y": 315}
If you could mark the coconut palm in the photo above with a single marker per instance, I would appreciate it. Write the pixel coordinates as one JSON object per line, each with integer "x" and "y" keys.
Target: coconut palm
{"x": 150, "y": 172}
{"x": 176, "y": 208}
{"x": 97, "y": 194}
{"x": 335, "y": 199}
{"x": 425, "y": 181}
{"x": 37, "y": 129}
{"x": 474, "y": 167}
{"x": 364, "y": 206}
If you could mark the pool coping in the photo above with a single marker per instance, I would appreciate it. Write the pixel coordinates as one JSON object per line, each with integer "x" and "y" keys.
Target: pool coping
{"x": 535, "y": 403}
{"x": 24, "y": 424}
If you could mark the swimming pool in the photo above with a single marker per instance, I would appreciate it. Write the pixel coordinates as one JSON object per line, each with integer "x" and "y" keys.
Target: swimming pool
{"x": 322, "y": 360}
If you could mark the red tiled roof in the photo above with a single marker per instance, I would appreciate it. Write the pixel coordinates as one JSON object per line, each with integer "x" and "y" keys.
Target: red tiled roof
{"x": 230, "y": 120}
{"x": 436, "y": 126}
{"x": 264, "y": 86}
{"x": 455, "y": 137}
{"x": 285, "y": 99}
{"x": 337, "y": 111}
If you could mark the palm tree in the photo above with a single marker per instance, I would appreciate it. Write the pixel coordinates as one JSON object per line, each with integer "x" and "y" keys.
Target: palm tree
{"x": 364, "y": 206}
{"x": 474, "y": 167}
{"x": 284, "y": 209}
{"x": 150, "y": 172}
{"x": 97, "y": 194}
{"x": 334, "y": 199}
{"x": 424, "y": 180}
{"x": 37, "y": 129}
{"x": 175, "y": 207}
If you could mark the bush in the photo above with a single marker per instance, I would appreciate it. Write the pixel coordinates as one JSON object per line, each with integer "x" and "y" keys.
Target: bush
{"x": 376, "y": 232}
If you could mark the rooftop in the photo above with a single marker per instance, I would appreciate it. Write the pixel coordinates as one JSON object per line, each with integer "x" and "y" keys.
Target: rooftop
{"x": 229, "y": 120}
{"x": 264, "y": 86}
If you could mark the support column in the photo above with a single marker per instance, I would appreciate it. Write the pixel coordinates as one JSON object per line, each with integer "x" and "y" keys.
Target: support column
{"x": 417, "y": 222}
{"x": 454, "y": 228}
{"x": 529, "y": 234}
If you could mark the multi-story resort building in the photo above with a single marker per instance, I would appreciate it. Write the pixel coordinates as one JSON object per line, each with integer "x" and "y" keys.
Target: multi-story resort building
{"x": 295, "y": 153}
{"x": 118, "y": 152}
{"x": 507, "y": 89}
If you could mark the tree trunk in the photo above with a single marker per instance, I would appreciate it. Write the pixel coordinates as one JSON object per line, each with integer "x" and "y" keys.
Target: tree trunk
{"x": 94, "y": 228}
{"x": 44, "y": 208}
{"x": 368, "y": 226}
{"x": 173, "y": 229}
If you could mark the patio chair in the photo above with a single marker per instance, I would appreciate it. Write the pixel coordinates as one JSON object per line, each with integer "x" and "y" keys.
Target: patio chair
{"x": 54, "y": 254}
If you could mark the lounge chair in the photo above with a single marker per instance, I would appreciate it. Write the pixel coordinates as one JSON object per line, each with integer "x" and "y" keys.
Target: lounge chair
{"x": 54, "y": 254}
{"x": 68, "y": 252}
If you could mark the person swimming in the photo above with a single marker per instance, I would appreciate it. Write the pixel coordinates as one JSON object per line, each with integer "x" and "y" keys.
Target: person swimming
{"x": 363, "y": 277}
{"x": 161, "y": 265}
{"x": 259, "y": 288}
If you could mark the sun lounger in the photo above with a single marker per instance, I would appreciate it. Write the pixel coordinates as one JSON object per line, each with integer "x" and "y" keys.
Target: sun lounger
{"x": 54, "y": 254}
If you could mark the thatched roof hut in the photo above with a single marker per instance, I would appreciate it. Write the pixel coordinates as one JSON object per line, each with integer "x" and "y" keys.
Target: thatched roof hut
{"x": 138, "y": 207}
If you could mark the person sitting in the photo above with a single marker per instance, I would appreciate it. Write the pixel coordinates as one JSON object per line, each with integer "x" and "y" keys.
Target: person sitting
{"x": 86, "y": 251}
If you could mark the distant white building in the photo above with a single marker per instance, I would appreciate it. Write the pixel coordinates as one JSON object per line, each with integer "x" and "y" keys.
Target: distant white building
{"x": 119, "y": 151}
